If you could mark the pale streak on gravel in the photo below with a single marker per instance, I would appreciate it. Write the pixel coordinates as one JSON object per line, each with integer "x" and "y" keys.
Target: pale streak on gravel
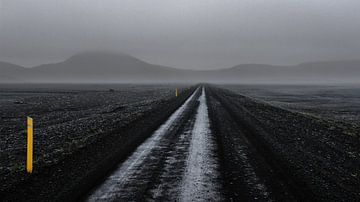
{"x": 107, "y": 190}
{"x": 201, "y": 178}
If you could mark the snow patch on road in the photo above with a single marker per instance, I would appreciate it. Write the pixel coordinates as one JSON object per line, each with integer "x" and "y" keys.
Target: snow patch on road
{"x": 201, "y": 179}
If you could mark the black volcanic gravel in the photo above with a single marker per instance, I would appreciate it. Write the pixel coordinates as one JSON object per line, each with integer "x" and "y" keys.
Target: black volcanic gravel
{"x": 317, "y": 154}
{"x": 265, "y": 152}
{"x": 66, "y": 120}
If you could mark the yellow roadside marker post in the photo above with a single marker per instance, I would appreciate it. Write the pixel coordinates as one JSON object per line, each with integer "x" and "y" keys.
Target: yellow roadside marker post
{"x": 176, "y": 92}
{"x": 29, "y": 159}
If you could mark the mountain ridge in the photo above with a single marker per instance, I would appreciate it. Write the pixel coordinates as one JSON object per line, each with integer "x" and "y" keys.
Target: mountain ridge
{"x": 97, "y": 66}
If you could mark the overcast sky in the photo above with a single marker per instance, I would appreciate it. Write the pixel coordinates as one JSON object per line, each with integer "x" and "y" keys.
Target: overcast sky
{"x": 196, "y": 34}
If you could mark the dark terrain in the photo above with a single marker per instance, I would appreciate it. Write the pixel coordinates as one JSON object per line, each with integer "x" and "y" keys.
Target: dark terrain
{"x": 72, "y": 126}
{"x": 334, "y": 103}
{"x": 295, "y": 154}
{"x": 216, "y": 145}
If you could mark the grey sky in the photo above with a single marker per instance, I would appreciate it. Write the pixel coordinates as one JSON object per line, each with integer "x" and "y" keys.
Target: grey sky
{"x": 182, "y": 33}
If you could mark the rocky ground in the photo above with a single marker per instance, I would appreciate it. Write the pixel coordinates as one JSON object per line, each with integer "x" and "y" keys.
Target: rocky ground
{"x": 315, "y": 159}
{"x": 213, "y": 144}
{"x": 68, "y": 122}
{"x": 339, "y": 104}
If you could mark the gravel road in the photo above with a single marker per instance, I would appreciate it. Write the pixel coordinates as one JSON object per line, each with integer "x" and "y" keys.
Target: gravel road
{"x": 216, "y": 147}
{"x": 178, "y": 162}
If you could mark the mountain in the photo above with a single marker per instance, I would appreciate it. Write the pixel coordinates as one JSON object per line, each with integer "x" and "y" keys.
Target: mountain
{"x": 10, "y": 72}
{"x": 314, "y": 72}
{"x": 94, "y": 67}
{"x": 123, "y": 68}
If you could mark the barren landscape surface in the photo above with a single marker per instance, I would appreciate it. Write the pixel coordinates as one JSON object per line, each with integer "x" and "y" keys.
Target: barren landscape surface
{"x": 142, "y": 143}
{"x": 333, "y": 102}
{"x": 66, "y": 119}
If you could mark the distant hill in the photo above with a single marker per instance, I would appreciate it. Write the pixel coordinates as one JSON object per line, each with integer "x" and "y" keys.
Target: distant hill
{"x": 93, "y": 67}
{"x": 315, "y": 72}
{"x": 123, "y": 68}
{"x": 11, "y": 73}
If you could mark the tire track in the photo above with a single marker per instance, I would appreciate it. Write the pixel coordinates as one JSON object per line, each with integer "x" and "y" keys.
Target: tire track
{"x": 251, "y": 171}
{"x": 129, "y": 178}
{"x": 177, "y": 163}
{"x": 201, "y": 179}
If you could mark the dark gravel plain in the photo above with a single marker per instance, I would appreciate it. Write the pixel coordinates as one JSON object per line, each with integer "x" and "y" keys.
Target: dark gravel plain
{"x": 73, "y": 122}
{"x": 265, "y": 151}
{"x": 339, "y": 104}
{"x": 295, "y": 155}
